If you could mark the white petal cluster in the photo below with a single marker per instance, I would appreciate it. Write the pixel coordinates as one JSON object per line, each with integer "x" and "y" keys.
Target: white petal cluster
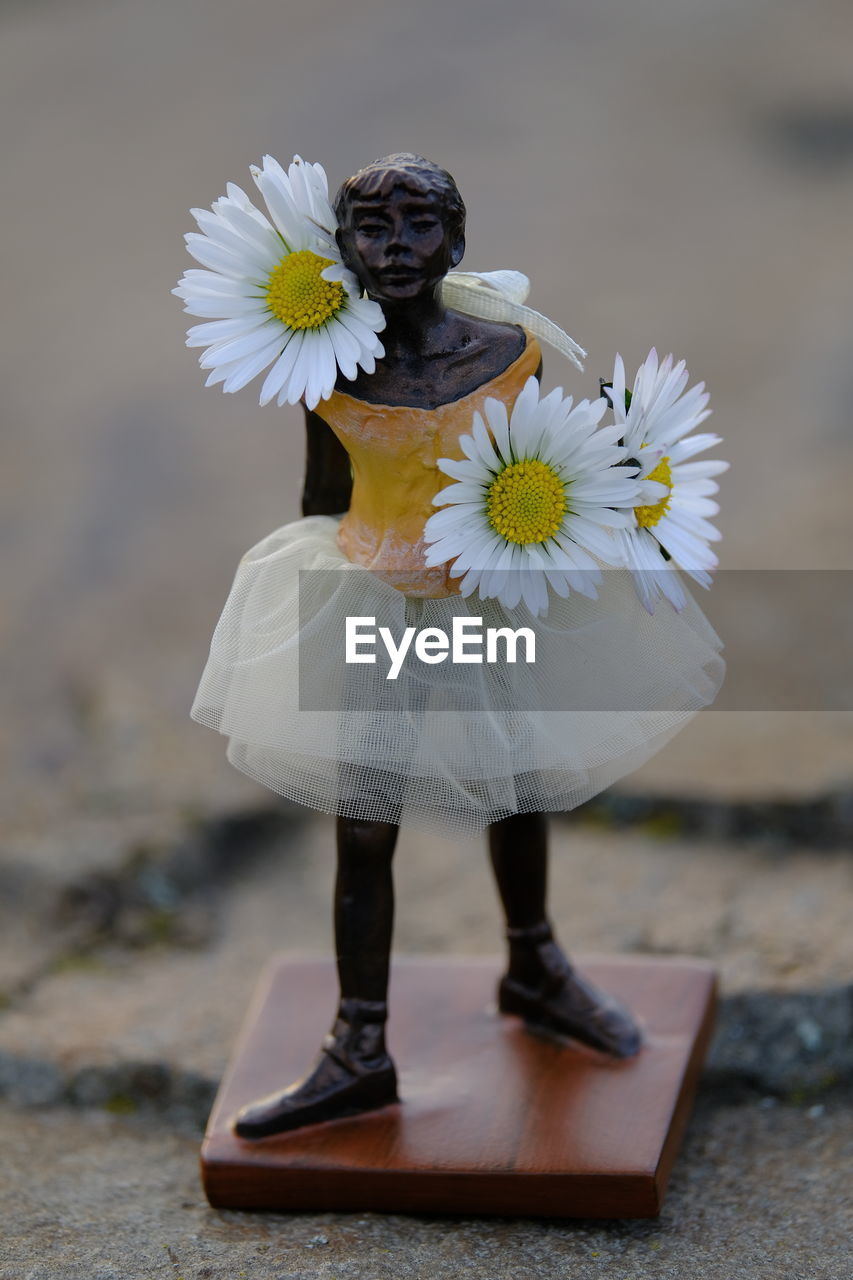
{"x": 599, "y": 493}
{"x": 238, "y": 247}
{"x": 654, "y": 426}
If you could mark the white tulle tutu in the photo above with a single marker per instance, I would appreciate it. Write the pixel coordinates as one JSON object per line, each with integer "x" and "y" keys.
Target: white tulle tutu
{"x": 447, "y": 747}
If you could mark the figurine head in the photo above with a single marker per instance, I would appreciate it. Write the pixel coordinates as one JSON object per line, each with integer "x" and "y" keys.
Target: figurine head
{"x": 401, "y": 226}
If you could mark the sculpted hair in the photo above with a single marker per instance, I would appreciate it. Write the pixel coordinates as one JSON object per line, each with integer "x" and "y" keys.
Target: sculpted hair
{"x": 404, "y": 169}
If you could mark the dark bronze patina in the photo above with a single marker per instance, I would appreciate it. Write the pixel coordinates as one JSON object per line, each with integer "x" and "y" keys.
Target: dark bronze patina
{"x": 402, "y": 228}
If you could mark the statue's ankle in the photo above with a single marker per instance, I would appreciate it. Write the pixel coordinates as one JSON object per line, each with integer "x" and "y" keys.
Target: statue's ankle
{"x": 357, "y": 1037}
{"x": 535, "y": 957}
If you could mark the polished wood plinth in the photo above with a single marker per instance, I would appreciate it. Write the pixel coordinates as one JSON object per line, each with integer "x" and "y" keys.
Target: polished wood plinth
{"x": 492, "y": 1120}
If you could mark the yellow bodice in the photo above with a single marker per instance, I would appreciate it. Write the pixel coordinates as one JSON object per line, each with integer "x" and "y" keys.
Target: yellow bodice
{"x": 394, "y": 451}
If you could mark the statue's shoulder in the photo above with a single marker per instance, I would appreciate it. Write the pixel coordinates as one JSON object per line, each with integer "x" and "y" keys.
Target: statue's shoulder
{"x": 494, "y": 343}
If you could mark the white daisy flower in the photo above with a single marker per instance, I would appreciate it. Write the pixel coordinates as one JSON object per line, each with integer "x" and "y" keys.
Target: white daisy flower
{"x": 276, "y": 292}
{"x": 672, "y": 531}
{"x": 535, "y": 501}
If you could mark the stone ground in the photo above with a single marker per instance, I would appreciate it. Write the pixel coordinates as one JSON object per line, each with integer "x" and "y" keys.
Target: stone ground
{"x": 671, "y": 172}
{"x": 113, "y": 1040}
{"x": 755, "y": 1194}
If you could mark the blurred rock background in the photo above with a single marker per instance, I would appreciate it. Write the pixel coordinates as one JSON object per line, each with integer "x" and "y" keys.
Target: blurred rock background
{"x": 668, "y": 172}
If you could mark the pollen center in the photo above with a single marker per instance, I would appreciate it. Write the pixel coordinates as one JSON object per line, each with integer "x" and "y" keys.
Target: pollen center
{"x": 526, "y": 502}
{"x": 299, "y": 296}
{"x": 647, "y": 517}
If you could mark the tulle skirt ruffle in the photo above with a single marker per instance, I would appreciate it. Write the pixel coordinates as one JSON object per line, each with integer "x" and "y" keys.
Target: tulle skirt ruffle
{"x": 446, "y": 746}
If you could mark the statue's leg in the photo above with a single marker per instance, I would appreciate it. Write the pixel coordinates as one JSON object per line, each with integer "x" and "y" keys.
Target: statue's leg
{"x": 353, "y": 1072}
{"x": 540, "y": 984}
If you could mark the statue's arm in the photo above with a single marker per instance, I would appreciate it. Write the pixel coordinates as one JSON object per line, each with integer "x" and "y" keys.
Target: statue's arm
{"x": 328, "y": 478}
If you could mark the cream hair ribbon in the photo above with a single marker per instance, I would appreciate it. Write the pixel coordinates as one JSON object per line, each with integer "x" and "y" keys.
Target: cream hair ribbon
{"x": 500, "y": 295}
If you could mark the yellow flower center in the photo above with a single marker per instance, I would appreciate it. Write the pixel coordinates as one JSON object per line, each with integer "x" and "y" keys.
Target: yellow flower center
{"x": 526, "y": 502}
{"x": 299, "y": 296}
{"x": 647, "y": 517}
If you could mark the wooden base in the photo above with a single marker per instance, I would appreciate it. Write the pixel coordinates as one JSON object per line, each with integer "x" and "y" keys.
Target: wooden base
{"x": 493, "y": 1120}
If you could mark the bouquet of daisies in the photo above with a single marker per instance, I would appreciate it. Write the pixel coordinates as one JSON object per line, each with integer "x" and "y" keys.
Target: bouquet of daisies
{"x": 546, "y": 494}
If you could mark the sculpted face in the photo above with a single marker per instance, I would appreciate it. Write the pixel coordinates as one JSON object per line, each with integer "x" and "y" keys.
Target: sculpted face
{"x": 397, "y": 241}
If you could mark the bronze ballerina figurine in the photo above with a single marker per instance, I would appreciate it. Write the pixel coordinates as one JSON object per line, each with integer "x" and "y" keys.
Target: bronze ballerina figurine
{"x": 374, "y": 441}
